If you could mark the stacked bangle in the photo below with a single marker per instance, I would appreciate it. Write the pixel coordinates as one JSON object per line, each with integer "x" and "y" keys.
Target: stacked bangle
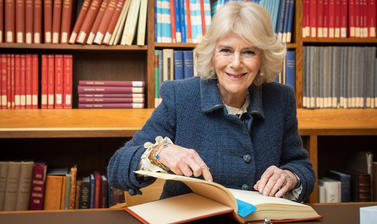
{"x": 154, "y": 156}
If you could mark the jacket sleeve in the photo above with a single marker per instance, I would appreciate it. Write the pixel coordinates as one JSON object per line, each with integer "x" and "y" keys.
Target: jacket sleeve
{"x": 294, "y": 156}
{"x": 125, "y": 160}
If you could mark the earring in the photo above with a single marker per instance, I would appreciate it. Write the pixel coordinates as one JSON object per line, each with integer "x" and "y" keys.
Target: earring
{"x": 261, "y": 73}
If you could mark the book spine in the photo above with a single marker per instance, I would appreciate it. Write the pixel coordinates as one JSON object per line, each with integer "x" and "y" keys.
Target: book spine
{"x": 97, "y": 34}
{"x": 101, "y": 90}
{"x": 85, "y": 193}
{"x": 188, "y": 19}
{"x": 3, "y": 76}
{"x": 84, "y": 100}
{"x": 44, "y": 81}
{"x": 4, "y": 165}
{"x": 47, "y": 21}
{"x": 1, "y": 22}
{"x": 188, "y": 64}
{"x": 17, "y": 95}
{"x": 59, "y": 79}
{"x": 53, "y": 192}
{"x": 67, "y": 91}
{"x": 142, "y": 23}
{"x": 24, "y": 187}
{"x": 50, "y": 81}
{"x": 111, "y": 83}
{"x": 56, "y": 21}
{"x": 35, "y": 80}
{"x": 88, "y": 21}
{"x": 79, "y": 21}
{"x": 99, "y": 18}
{"x": 120, "y": 95}
{"x": 9, "y": 21}
{"x": 20, "y": 21}
{"x": 72, "y": 196}
{"x": 372, "y": 18}
{"x": 37, "y": 22}
{"x": 344, "y": 17}
{"x": 38, "y": 186}
{"x": 178, "y": 64}
{"x": 111, "y": 105}
{"x": 113, "y": 23}
{"x": 97, "y": 189}
{"x": 66, "y": 21}
{"x": 11, "y": 186}
{"x": 28, "y": 81}
{"x": 29, "y": 19}
{"x": 23, "y": 82}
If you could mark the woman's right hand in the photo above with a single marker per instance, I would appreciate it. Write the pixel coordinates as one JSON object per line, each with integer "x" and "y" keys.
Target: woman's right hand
{"x": 184, "y": 161}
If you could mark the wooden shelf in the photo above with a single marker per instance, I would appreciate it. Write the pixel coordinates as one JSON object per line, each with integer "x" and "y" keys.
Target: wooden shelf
{"x": 125, "y": 122}
{"x": 73, "y": 123}
{"x": 72, "y": 47}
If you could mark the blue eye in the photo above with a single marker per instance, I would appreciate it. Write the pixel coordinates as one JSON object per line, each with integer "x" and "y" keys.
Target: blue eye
{"x": 225, "y": 50}
{"x": 249, "y": 52}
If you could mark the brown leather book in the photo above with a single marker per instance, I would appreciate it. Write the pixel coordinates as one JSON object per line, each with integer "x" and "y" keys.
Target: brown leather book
{"x": 97, "y": 21}
{"x": 38, "y": 186}
{"x": 79, "y": 21}
{"x": 361, "y": 187}
{"x": 37, "y": 22}
{"x": 56, "y": 21}
{"x": 20, "y": 21}
{"x": 66, "y": 20}
{"x": 29, "y": 21}
{"x": 109, "y": 14}
{"x": 47, "y": 6}
{"x": 53, "y": 192}
{"x": 88, "y": 21}
{"x": 72, "y": 196}
{"x": 9, "y": 21}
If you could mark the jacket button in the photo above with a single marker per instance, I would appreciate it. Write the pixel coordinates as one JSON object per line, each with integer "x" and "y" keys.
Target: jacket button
{"x": 245, "y": 187}
{"x": 131, "y": 191}
{"x": 246, "y": 158}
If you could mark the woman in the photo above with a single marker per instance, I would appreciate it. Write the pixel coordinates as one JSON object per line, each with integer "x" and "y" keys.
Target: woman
{"x": 232, "y": 125}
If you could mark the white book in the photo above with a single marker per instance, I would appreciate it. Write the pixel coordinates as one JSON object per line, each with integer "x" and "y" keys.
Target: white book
{"x": 141, "y": 29}
{"x": 130, "y": 26}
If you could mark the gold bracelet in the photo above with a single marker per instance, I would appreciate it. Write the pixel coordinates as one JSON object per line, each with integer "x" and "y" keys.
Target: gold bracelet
{"x": 154, "y": 156}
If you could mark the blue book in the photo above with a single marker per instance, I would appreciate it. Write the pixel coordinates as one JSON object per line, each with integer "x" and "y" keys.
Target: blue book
{"x": 207, "y": 14}
{"x": 178, "y": 23}
{"x": 178, "y": 65}
{"x": 280, "y": 24}
{"x": 290, "y": 69}
{"x": 188, "y": 64}
{"x": 163, "y": 17}
{"x": 345, "y": 183}
{"x": 92, "y": 184}
{"x": 182, "y": 14}
{"x": 286, "y": 15}
{"x": 290, "y": 20}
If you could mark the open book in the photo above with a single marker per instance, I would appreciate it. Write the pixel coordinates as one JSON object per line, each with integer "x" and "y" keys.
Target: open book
{"x": 210, "y": 199}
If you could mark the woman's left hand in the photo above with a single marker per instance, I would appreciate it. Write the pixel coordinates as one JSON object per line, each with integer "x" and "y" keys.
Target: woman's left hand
{"x": 276, "y": 182}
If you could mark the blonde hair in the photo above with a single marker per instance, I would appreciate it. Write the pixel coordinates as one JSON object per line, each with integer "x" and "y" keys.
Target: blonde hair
{"x": 252, "y": 22}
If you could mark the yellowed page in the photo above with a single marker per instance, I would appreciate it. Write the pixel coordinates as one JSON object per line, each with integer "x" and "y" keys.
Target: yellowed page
{"x": 178, "y": 209}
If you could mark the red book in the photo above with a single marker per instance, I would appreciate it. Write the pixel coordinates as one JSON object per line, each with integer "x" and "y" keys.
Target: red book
{"x": 343, "y": 18}
{"x": 1, "y": 23}
{"x": 3, "y": 81}
{"x": 110, "y": 105}
{"x": 35, "y": 81}
{"x": 9, "y": 21}
{"x": 189, "y": 31}
{"x": 56, "y": 21}
{"x": 363, "y": 14}
{"x": 320, "y": 18}
{"x": 97, "y": 21}
{"x": 372, "y": 18}
{"x": 23, "y": 81}
{"x": 88, "y": 21}
{"x": 44, "y": 81}
{"x": 79, "y": 21}
{"x": 337, "y": 18}
{"x": 305, "y": 19}
{"x": 313, "y": 16}
{"x": 351, "y": 18}
{"x": 111, "y": 83}
{"x": 357, "y": 12}
{"x": 50, "y": 81}
{"x": 115, "y": 95}
{"x": 12, "y": 82}
{"x": 97, "y": 189}
{"x": 20, "y": 21}
{"x": 332, "y": 18}
{"x": 110, "y": 100}
{"x": 59, "y": 79}
{"x": 112, "y": 89}
{"x": 110, "y": 29}
{"x": 67, "y": 91}
{"x": 37, "y": 22}
{"x": 66, "y": 21}
{"x": 47, "y": 20}
{"x": 38, "y": 186}
{"x": 29, "y": 21}
{"x": 202, "y": 12}
{"x": 325, "y": 32}
{"x": 28, "y": 80}
{"x": 17, "y": 82}
{"x": 104, "y": 23}
{"x": 172, "y": 22}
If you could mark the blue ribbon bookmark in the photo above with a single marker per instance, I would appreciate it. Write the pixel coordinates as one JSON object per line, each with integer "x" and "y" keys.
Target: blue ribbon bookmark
{"x": 244, "y": 208}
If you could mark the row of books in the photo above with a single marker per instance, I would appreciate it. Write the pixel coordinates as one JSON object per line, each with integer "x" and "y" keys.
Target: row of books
{"x": 99, "y": 21}
{"x": 110, "y": 22}
{"x": 339, "y": 18}
{"x": 56, "y": 81}
{"x": 281, "y": 13}
{"x": 356, "y": 182}
{"x": 29, "y": 185}
{"x": 339, "y": 77}
{"x": 181, "y": 21}
{"x": 111, "y": 94}
{"x": 172, "y": 64}
{"x": 19, "y": 81}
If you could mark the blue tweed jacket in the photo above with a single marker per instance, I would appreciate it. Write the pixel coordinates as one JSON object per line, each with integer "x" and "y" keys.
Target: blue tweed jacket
{"x": 237, "y": 151}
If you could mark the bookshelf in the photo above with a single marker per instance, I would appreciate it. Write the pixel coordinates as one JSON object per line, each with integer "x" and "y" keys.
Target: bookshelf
{"x": 115, "y": 126}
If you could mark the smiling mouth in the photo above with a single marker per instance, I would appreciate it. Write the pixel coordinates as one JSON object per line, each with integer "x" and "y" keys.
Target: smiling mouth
{"x": 236, "y": 75}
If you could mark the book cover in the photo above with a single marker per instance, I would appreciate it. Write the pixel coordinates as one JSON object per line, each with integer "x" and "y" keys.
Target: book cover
{"x": 67, "y": 84}
{"x": 44, "y": 80}
{"x": 178, "y": 65}
{"x": 73, "y": 183}
{"x": 28, "y": 80}
{"x": 85, "y": 193}
{"x": 114, "y": 22}
{"x": 1, "y": 20}
{"x": 53, "y": 192}
{"x": 24, "y": 187}
{"x": 23, "y": 82}
{"x": 3, "y": 181}
{"x": 109, "y": 89}
{"x": 9, "y": 19}
{"x": 104, "y": 23}
{"x": 66, "y": 20}
{"x": 345, "y": 182}
{"x": 47, "y": 10}
{"x": 118, "y": 29}
{"x": 11, "y": 186}
{"x": 29, "y": 20}
{"x": 20, "y": 21}
{"x": 111, "y": 83}
{"x": 3, "y": 81}
{"x": 142, "y": 24}
{"x": 59, "y": 79}
{"x": 88, "y": 21}
{"x": 111, "y": 95}
{"x": 56, "y": 21}
{"x": 110, "y": 100}
{"x": 290, "y": 69}
{"x": 211, "y": 199}
{"x": 188, "y": 65}
{"x": 130, "y": 26}
{"x": 37, "y": 22}
{"x": 97, "y": 190}
{"x": 98, "y": 20}
{"x": 38, "y": 186}
{"x": 110, "y": 105}
{"x": 51, "y": 81}
{"x": 79, "y": 21}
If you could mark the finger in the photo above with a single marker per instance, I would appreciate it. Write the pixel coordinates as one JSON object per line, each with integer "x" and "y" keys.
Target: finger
{"x": 194, "y": 166}
{"x": 279, "y": 183}
{"x": 270, "y": 184}
{"x": 282, "y": 191}
{"x": 203, "y": 166}
{"x": 185, "y": 169}
{"x": 207, "y": 174}
{"x": 264, "y": 179}
{"x": 256, "y": 185}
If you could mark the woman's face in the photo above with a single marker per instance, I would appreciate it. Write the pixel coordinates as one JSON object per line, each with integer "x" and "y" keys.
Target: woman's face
{"x": 236, "y": 62}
